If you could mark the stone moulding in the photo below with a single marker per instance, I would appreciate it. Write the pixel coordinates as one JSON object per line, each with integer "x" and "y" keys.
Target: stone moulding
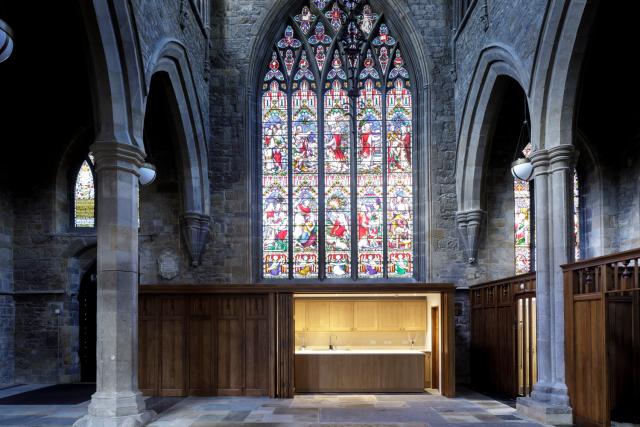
{"x": 469, "y": 224}
{"x": 195, "y": 231}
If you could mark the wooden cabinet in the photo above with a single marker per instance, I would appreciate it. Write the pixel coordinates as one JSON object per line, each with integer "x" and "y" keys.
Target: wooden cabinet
{"x": 365, "y": 315}
{"x": 414, "y": 315}
{"x": 341, "y": 316}
{"x": 300, "y": 315}
{"x": 359, "y": 373}
{"x": 390, "y": 315}
{"x": 317, "y": 319}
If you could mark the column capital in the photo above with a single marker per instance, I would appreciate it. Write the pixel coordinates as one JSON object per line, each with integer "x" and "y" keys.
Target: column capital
{"x": 556, "y": 158}
{"x": 116, "y": 155}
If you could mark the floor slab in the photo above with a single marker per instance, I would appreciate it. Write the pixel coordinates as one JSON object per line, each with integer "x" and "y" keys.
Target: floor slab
{"x": 307, "y": 410}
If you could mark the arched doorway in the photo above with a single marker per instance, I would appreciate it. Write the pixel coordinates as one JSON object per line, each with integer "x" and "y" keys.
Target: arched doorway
{"x": 87, "y": 323}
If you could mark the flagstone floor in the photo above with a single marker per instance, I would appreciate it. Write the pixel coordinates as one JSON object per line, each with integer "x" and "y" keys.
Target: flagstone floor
{"x": 411, "y": 410}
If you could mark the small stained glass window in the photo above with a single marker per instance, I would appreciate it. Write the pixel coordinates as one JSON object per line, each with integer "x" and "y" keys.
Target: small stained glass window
{"x": 522, "y": 217}
{"x": 84, "y": 196}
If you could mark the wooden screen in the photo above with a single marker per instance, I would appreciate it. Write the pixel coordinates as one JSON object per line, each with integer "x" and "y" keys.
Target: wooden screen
{"x": 503, "y": 337}
{"x": 602, "y": 336}
{"x": 206, "y": 345}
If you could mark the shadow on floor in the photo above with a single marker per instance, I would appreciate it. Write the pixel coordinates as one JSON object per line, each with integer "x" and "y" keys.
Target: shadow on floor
{"x": 59, "y": 394}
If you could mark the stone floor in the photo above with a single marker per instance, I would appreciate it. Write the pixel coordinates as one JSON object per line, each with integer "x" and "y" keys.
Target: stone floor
{"x": 304, "y": 410}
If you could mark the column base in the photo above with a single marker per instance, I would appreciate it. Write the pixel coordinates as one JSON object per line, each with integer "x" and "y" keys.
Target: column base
{"x": 116, "y": 410}
{"x": 545, "y": 412}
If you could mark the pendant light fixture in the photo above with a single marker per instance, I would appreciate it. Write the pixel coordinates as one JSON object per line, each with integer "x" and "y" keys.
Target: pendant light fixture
{"x": 521, "y": 168}
{"x": 147, "y": 174}
{"x": 6, "y": 41}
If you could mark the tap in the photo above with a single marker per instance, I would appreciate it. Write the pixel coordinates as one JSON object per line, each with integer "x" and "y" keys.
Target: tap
{"x": 331, "y": 345}
{"x": 302, "y": 346}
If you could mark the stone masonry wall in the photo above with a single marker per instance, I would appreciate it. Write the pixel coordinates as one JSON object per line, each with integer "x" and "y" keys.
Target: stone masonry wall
{"x": 514, "y": 24}
{"x": 7, "y": 306}
{"x": 496, "y": 250}
{"x": 157, "y": 21}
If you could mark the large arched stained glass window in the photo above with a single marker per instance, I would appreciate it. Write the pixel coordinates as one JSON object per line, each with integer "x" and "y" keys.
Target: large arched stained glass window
{"x": 84, "y": 195}
{"x": 336, "y": 151}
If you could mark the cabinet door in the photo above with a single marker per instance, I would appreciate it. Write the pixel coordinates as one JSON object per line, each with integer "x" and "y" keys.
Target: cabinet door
{"x": 390, "y": 315}
{"x": 300, "y": 315}
{"x": 317, "y": 316}
{"x": 341, "y": 316}
{"x": 365, "y": 315}
{"x": 414, "y": 315}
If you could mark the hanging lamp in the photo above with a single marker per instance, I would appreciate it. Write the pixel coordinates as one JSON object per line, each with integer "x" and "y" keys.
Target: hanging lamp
{"x": 521, "y": 168}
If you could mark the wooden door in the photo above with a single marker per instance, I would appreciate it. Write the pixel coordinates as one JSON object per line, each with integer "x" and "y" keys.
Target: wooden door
{"x": 341, "y": 316}
{"x": 390, "y": 315}
{"x": 435, "y": 347}
{"x": 317, "y": 316}
{"x": 300, "y": 314}
{"x": 200, "y": 349}
{"x": 172, "y": 342}
{"x": 230, "y": 346}
{"x": 365, "y": 316}
{"x": 414, "y": 315}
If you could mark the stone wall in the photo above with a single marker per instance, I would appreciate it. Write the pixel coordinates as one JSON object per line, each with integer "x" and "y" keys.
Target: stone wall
{"x": 512, "y": 24}
{"x": 45, "y": 281}
{"x": 628, "y": 219}
{"x": 234, "y": 33}
{"x": 7, "y": 307}
{"x": 496, "y": 251}
{"x": 157, "y": 21}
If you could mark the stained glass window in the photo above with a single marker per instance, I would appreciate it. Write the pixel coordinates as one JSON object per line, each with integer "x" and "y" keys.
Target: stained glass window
{"x": 522, "y": 213}
{"x": 337, "y": 167}
{"x": 84, "y": 195}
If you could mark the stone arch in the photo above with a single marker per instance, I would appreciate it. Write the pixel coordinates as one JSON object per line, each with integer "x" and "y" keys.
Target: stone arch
{"x": 79, "y": 255}
{"x": 170, "y": 64}
{"x": 71, "y": 159}
{"x": 556, "y": 74}
{"x": 170, "y": 61}
{"x": 420, "y": 65}
{"x": 495, "y": 64}
{"x": 117, "y": 71}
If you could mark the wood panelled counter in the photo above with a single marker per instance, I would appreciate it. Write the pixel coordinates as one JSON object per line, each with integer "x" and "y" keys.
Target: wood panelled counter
{"x": 370, "y": 371}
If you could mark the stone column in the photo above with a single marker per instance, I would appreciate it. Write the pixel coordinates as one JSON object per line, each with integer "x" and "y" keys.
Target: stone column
{"x": 553, "y": 171}
{"x": 117, "y": 401}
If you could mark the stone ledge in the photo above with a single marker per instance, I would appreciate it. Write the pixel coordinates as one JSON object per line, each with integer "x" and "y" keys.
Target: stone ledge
{"x": 557, "y": 415}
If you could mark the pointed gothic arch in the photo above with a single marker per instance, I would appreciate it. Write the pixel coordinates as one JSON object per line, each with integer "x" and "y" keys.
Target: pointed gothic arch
{"x": 419, "y": 65}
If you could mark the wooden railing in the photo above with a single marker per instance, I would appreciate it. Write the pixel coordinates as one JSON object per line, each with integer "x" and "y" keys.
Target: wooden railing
{"x": 610, "y": 274}
{"x": 502, "y": 291}
{"x": 602, "y": 337}
{"x": 502, "y": 338}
